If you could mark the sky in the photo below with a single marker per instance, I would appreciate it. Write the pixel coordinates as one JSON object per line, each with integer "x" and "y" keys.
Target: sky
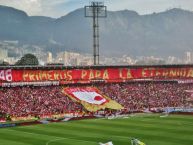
{"x": 58, "y": 8}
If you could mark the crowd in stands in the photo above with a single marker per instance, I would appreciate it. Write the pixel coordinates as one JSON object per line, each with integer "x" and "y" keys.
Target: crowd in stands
{"x": 37, "y": 101}
{"x": 148, "y": 95}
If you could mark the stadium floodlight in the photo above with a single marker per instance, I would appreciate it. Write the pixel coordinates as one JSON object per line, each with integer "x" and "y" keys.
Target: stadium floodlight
{"x": 96, "y": 10}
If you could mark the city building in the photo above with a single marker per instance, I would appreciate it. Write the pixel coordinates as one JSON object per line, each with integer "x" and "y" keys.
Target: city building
{"x": 3, "y": 54}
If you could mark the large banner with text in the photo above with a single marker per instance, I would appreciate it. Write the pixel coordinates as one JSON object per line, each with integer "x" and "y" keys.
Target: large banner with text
{"x": 67, "y": 76}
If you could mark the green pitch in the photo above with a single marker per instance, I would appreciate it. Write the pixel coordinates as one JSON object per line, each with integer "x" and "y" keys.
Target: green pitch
{"x": 152, "y": 129}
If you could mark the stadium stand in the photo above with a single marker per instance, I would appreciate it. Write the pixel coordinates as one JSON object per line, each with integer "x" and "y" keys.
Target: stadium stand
{"x": 35, "y": 101}
{"x": 135, "y": 97}
{"x": 137, "y": 89}
{"x": 148, "y": 95}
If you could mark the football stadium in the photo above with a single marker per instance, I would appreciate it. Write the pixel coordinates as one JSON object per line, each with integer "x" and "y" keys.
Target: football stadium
{"x": 119, "y": 105}
{"x": 137, "y": 90}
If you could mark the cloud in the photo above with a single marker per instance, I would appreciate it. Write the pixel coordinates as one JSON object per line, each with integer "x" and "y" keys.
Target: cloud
{"x": 149, "y": 6}
{"x": 56, "y": 8}
{"x": 29, "y": 6}
{"x": 53, "y": 8}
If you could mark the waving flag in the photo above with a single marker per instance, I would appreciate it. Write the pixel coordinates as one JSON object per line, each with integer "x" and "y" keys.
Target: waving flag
{"x": 91, "y": 98}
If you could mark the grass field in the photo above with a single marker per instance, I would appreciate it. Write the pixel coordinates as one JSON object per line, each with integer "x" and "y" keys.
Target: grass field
{"x": 153, "y": 130}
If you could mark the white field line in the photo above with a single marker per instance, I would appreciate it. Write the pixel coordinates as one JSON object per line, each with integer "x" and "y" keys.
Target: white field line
{"x": 62, "y": 138}
{"x": 47, "y": 143}
{"x": 53, "y": 140}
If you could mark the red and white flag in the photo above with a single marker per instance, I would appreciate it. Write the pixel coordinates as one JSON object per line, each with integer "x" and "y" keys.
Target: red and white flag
{"x": 89, "y": 95}
{"x": 91, "y": 98}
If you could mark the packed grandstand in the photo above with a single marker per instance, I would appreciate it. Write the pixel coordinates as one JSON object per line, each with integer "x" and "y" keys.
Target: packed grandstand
{"x": 51, "y": 92}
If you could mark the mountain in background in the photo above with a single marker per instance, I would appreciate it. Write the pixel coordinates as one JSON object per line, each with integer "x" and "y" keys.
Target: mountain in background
{"x": 168, "y": 33}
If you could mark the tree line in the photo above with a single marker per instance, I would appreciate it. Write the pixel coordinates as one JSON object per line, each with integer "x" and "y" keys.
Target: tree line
{"x": 27, "y": 59}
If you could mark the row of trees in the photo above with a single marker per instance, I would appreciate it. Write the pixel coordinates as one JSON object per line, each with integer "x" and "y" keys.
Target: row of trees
{"x": 27, "y": 59}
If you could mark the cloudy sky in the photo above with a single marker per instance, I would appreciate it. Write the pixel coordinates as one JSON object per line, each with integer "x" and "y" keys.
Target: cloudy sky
{"x": 57, "y": 8}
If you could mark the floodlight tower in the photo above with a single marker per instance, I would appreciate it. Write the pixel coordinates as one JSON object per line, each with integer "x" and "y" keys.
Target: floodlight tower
{"x": 96, "y": 10}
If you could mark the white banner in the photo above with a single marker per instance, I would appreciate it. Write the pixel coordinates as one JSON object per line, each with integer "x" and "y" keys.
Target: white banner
{"x": 90, "y": 97}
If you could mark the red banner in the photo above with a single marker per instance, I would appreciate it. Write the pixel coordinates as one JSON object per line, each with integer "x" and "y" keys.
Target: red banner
{"x": 89, "y": 75}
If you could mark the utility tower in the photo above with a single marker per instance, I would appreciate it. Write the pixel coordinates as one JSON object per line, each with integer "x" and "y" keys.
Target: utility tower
{"x": 96, "y": 10}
